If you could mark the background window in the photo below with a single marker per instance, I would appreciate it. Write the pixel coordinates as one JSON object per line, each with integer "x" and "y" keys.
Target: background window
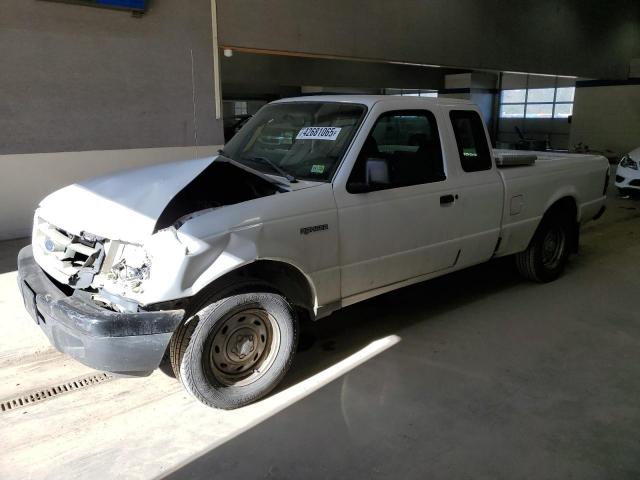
{"x": 404, "y": 92}
{"x": 539, "y": 110}
{"x": 512, "y": 111}
{"x": 409, "y": 143}
{"x": 563, "y": 110}
{"x": 540, "y": 95}
{"x": 554, "y": 102}
{"x": 473, "y": 149}
{"x": 240, "y": 108}
{"x": 565, "y": 94}
{"x": 514, "y": 96}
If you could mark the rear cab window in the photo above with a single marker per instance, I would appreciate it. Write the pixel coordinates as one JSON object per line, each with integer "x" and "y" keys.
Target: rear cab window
{"x": 471, "y": 140}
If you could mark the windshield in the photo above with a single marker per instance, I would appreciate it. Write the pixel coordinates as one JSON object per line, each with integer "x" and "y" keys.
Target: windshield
{"x": 302, "y": 139}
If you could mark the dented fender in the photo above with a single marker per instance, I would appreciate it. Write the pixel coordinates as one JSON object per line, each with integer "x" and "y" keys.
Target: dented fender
{"x": 196, "y": 263}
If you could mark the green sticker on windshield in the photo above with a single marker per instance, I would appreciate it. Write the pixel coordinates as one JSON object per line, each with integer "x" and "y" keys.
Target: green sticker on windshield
{"x": 317, "y": 169}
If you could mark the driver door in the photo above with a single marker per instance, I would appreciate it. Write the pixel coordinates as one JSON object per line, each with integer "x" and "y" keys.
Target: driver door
{"x": 401, "y": 230}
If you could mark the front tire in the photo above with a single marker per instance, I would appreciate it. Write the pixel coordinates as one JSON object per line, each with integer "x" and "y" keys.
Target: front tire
{"x": 545, "y": 258}
{"x": 235, "y": 350}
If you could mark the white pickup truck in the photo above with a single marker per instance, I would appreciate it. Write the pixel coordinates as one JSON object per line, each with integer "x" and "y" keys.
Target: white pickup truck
{"x": 317, "y": 203}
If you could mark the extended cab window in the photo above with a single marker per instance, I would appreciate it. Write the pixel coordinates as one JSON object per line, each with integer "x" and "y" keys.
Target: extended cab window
{"x": 471, "y": 139}
{"x": 405, "y": 146}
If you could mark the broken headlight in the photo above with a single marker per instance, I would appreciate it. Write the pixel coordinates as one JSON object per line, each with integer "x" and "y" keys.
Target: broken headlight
{"x": 128, "y": 266}
{"x": 627, "y": 162}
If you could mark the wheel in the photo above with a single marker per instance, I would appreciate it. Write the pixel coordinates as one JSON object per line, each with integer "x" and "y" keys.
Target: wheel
{"x": 235, "y": 350}
{"x": 545, "y": 258}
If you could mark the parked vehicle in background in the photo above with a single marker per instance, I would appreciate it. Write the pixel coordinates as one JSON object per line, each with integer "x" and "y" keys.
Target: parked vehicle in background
{"x": 628, "y": 173}
{"x": 315, "y": 204}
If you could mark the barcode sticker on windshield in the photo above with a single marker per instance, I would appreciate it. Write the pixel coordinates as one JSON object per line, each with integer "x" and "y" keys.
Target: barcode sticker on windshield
{"x": 319, "y": 133}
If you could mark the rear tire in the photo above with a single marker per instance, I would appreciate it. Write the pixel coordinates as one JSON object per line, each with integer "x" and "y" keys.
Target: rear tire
{"x": 236, "y": 349}
{"x": 545, "y": 258}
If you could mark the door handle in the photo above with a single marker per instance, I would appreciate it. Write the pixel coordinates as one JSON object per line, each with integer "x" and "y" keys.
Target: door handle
{"x": 447, "y": 199}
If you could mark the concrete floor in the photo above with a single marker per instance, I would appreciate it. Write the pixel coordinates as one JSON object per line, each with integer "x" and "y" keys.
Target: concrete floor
{"x": 475, "y": 375}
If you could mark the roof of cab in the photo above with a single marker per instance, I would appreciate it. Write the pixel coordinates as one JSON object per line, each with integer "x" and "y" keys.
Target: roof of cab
{"x": 370, "y": 100}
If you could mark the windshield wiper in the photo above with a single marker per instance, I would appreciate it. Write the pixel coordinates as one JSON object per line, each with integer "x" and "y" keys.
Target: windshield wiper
{"x": 290, "y": 178}
{"x": 275, "y": 167}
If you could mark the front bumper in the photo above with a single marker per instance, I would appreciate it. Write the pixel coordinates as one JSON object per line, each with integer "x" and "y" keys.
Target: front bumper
{"x": 129, "y": 343}
{"x": 627, "y": 178}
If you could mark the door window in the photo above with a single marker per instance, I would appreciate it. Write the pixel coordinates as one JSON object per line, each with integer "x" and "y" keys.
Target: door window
{"x": 473, "y": 149}
{"x": 408, "y": 143}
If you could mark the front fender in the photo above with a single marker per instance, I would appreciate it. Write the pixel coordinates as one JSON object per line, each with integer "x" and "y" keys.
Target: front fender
{"x": 208, "y": 261}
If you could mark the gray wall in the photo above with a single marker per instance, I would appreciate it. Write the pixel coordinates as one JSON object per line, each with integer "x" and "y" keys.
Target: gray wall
{"x": 244, "y": 72}
{"x": 589, "y": 38}
{"x": 76, "y": 78}
{"x": 607, "y": 118}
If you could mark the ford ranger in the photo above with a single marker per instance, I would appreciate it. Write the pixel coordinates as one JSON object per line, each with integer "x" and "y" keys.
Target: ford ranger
{"x": 317, "y": 203}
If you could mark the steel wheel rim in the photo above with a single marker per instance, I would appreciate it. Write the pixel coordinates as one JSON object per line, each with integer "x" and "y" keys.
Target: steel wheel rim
{"x": 553, "y": 248}
{"x": 244, "y": 347}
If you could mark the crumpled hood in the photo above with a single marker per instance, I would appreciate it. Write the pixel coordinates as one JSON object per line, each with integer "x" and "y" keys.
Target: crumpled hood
{"x": 120, "y": 206}
{"x": 125, "y": 205}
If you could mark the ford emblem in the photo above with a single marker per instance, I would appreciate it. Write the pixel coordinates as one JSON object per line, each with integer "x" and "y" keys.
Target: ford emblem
{"x": 49, "y": 245}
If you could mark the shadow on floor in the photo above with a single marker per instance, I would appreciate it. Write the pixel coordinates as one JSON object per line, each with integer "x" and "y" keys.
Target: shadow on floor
{"x": 332, "y": 339}
{"x": 9, "y": 253}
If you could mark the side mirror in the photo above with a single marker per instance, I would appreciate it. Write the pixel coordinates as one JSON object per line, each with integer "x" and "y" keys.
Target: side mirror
{"x": 376, "y": 177}
{"x": 376, "y": 173}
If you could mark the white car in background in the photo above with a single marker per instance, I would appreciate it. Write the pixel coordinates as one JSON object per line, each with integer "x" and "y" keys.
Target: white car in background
{"x": 628, "y": 173}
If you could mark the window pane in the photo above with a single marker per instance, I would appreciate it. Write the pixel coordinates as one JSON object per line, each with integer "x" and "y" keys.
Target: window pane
{"x": 408, "y": 143}
{"x": 240, "y": 108}
{"x": 539, "y": 110}
{"x": 565, "y": 94}
{"x": 513, "y": 96}
{"x": 540, "y": 95}
{"x": 275, "y": 134}
{"x": 563, "y": 110}
{"x": 471, "y": 139}
{"x": 512, "y": 111}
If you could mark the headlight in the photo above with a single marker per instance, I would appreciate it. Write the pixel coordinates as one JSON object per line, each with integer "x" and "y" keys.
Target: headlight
{"x": 627, "y": 162}
{"x": 129, "y": 267}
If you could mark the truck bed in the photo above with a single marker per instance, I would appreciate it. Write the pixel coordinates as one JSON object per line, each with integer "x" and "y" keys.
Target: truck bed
{"x": 530, "y": 190}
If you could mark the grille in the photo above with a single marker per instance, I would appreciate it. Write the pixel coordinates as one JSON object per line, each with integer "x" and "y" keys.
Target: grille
{"x": 635, "y": 183}
{"x": 47, "y": 393}
{"x": 61, "y": 254}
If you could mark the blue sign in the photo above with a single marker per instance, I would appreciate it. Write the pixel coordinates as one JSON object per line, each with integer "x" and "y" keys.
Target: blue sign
{"x": 132, "y": 5}
{"x": 128, "y": 4}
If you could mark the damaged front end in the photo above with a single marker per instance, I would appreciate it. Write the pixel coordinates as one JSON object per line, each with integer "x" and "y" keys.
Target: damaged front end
{"x": 70, "y": 259}
{"x": 127, "y": 276}
{"x": 120, "y": 281}
{"x": 110, "y": 270}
